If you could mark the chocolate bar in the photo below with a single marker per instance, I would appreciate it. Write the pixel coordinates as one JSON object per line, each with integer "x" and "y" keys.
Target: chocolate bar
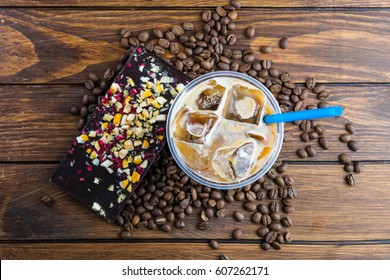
{"x": 123, "y": 137}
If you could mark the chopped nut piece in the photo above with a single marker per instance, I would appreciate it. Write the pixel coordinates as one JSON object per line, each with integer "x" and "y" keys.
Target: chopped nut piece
{"x": 107, "y": 117}
{"x": 144, "y": 164}
{"x": 122, "y": 153}
{"x": 107, "y": 163}
{"x": 137, "y": 143}
{"x": 115, "y": 88}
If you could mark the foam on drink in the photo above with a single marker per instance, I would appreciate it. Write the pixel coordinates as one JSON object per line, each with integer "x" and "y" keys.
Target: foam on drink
{"x": 218, "y": 130}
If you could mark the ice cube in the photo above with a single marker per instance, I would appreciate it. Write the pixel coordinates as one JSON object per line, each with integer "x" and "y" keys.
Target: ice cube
{"x": 210, "y": 98}
{"x": 244, "y": 104}
{"x": 243, "y": 159}
{"x": 234, "y": 163}
{"x": 196, "y": 156}
{"x": 193, "y": 127}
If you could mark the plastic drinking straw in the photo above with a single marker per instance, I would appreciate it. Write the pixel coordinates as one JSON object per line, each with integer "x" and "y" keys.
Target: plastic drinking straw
{"x": 334, "y": 111}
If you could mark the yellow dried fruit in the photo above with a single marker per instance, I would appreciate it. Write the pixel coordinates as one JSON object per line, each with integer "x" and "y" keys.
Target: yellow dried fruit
{"x": 137, "y": 160}
{"x": 145, "y": 144}
{"x": 135, "y": 177}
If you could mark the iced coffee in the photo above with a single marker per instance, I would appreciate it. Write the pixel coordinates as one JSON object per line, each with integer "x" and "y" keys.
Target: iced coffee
{"x": 218, "y": 130}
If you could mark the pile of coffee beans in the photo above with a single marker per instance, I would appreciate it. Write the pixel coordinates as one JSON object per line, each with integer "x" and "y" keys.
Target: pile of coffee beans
{"x": 168, "y": 195}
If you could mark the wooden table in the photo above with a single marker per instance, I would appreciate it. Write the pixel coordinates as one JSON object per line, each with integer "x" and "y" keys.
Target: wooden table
{"x": 47, "y": 49}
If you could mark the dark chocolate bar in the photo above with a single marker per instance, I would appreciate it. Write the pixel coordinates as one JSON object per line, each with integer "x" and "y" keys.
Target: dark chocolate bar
{"x": 123, "y": 137}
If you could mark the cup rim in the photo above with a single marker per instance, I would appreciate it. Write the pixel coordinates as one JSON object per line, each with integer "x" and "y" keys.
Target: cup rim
{"x": 172, "y": 147}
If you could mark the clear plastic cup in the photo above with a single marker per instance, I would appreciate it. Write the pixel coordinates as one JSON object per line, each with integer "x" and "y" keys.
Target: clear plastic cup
{"x": 186, "y": 92}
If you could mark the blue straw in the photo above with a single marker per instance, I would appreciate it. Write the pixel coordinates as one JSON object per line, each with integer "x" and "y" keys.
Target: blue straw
{"x": 334, "y": 111}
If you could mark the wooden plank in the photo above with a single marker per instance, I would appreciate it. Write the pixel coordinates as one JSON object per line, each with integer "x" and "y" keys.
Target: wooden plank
{"x": 64, "y": 45}
{"x": 326, "y": 209}
{"x": 187, "y": 251}
{"x": 38, "y": 125}
{"x": 199, "y": 3}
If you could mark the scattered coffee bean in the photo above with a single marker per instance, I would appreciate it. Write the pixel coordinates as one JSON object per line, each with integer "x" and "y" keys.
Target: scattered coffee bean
{"x": 345, "y": 158}
{"x": 348, "y": 168}
{"x": 323, "y": 142}
{"x": 126, "y": 234}
{"x": 238, "y": 216}
{"x": 357, "y": 167}
{"x": 283, "y": 43}
{"x": 224, "y": 257}
{"x": 353, "y": 145}
{"x": 311, "y": 152}
{"x": 349, "y": 128}
{"x": 266, "y": 49}
{"x": 237, "y": 234}
{"x": 214, "y": 244}
{"x": 302, "y": 153}
{"x": 250, "y": 32}
{"x": 351, "y": 180}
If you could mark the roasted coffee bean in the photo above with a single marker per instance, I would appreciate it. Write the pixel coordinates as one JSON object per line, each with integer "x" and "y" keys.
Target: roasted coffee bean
{"x": 282, "y": 168}
{"x": 237, "y": 234}
{"x": 244, "y": 68}
{"x": 180, "y": 224}
{"x": 256, "y": 217}
{"x": 109, "y": 74}
{"x": 323, "y": 142}
{"x": 286, "y": 222}
{"x": 206, "y": 16}
{"x": 305, "y": 125}
{"x": 311, "y": 152}
{"x": 125, "y": 234}
{"x": 266, "y": 49}
{"x": 89, "y": 84}
{"x": 143, "y": 36}
{"x": 250, "y": 206}
{"x": 313, "y": 135}
{"x": 188, "y": 26}
{"x": 288, "y": 209}
{"x": 232, "y": 15}
{"x": 266, "y": 219}
{"x": 288, "y": 237}
{"x": 348, "y": 168}
{"x": 353, "y": 145}
{"x": 248, "y": 57}
{"x": 250, "y": 195}
{"x": 310, "y": 83}
{"x": 125, "y": 32}
{"x": 275, "y": 217}
{"x": 84, "y": 112}
{"x": 275, "y": 226}
{"x": 236, "y": 4}
{"x": 357, "y": 167}
{"x": 279, "y": 181}
{"x": 289, "y": 180}
{"x": 266, "y": 64}
{"x": 157, "y": 33}
{"x": 170, "y": 36}
{"x": 224, "y": 257}
{"x": 319, "y": 129}
{"x": 305, "y": 136}
{"x": 166, "y": 228}
{"x": 214, "y": 244}
{"x": 238, "y": 216}
{"x": 283, "y": 43}
{"x": 350, "y": 180}
{"x": 323, "y": 104}
{"x": 177, "y": 30}
{"x": 265, "y": 246}
{"x": 270, "y": 237}
{"x": 74, "y": 110}
{"x": 280, "y": 239}
{"x": 262, "y": 209}
{"x": 323, "y": 95}
{"x": 250, "y": 32}
{"x": 221, "y": 11}
{"x": 159, "y": 50}
{"x": 162, "y": 42}
{"x": 345, "y": 158}
{"x": 274, "y": 206}
{"x": 133, "y": 41}
{"x": 125, "y": 43}
{"x": 301, "y": 152}
{"x": 276, "y": 245}
{"x": 223, "y": 66}
{"x": 203, "y": 226}
{"x": 349, "y": 128}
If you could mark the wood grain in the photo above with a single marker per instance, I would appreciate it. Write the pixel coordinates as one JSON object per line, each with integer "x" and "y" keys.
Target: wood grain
{"x": 38, "y": 125}
{"x": 334, "y": 46}
{"x": 326, "y": 209}
{"x": 170, "y": 251}
{"x": 198, "y": 3}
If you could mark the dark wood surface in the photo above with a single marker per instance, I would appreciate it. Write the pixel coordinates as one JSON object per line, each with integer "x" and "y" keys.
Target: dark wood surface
{"x": 48, "y": 47}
